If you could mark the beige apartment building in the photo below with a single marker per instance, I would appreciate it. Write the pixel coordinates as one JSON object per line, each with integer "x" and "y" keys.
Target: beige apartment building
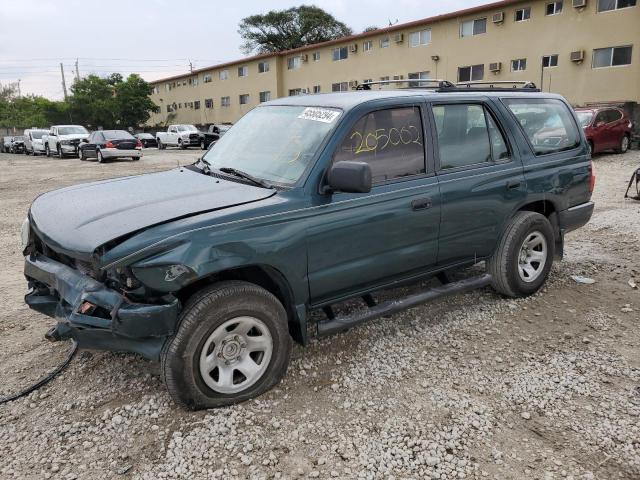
{"x": 586, "y": 50}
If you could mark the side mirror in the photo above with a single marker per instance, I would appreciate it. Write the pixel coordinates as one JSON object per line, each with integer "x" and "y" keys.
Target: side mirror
{"x": 350, "y": 177}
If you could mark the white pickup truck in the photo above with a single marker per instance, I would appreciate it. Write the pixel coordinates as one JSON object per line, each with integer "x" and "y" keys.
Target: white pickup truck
{"x": 182, "y": 136}
{"x": 64, "y": 140}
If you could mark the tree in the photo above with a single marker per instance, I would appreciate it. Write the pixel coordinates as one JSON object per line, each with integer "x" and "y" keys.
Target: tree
{"x": 133, "y": 102}
{"x": 370, "y": 28}
{"x": 279, "y": 30}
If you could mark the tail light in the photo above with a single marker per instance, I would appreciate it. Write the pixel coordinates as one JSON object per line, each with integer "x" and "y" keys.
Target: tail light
{"x": 109, "y": 144}
{"x": 592, "y": 177}
{"x": 138, "y": 144}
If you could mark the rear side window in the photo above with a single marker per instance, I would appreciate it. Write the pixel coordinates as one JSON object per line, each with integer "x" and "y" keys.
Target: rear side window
{"x": 468, "y": 135}
{"x": 547, "y": 123}
{"x": 390, "y": 141}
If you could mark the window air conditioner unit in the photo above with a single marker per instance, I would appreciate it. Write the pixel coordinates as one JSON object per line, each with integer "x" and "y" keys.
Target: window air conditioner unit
{"x": 398, "y": 37}
{"x": 498, "y": 17}
{"x": 353, "y": 48}
{"x": 304, "y": 57}
{"x": 577, "y": 56}
{"x": 495, "y": 67}
{"x": 579, "y": 3}
{"x": 353, "y": 83}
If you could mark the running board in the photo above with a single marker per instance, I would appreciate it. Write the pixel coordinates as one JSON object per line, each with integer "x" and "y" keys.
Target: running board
{"x": 341, "y": 323}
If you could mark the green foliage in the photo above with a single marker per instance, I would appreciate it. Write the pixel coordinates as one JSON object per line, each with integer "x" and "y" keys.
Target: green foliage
{"x": 279, "y": 30}
{"x": 109, "y": 102}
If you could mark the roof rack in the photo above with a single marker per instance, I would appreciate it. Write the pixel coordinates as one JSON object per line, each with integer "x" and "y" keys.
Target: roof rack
{"x": 484, "y": 85}
{"x": 421, "y": 83}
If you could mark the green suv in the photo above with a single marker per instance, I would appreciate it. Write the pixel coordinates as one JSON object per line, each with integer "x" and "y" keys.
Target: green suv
{"x": 307, "y": 201}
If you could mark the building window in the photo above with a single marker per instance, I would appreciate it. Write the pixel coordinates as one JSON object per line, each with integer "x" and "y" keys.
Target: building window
{"x": 423, "y": 37}
{"x": 473, "y": 27}
{"x": 611, "y": 57}
{"x": 265, "y": 96}
{"x": 244, "y": 98}
{"x": 195, "y": 81}
{"x": 518, "y": 65}
{"x": 263, "y": 67}
{"x": 471, "y": 73}
{"x": 225, "y": 101}
{"x": 550, "y": 61}
{"x": 184, "y": 82}
{"x": 180, "y": 105}
{"x": 418, "y": 76}
{"x": 340, "y": 53}
{"x": 384, "y": 42}
{"x": 316, "y": 89}
{"x": 384, "y": 79}
{"x": 243, "y": 71}
{"x": 293, "y": 63}
{"x": 224, "y": 74}
{"x": 523, "y": 14}
{"x": 368, "y": 80}
{"x": 196, "y": 105}
{"x": 208, "y": 103}
{"x": 340, "y": 87}
{"x": 315, "y": 56}
{"x": 295, "y": 91}
{"x": 607, "y": 5}
{"x": 168, "y": 108}
{"x": 207, "y": 78}
{"x": 367, "y": 46}
{"x": 167, "y": 87}
{"x": 554, "y": 8}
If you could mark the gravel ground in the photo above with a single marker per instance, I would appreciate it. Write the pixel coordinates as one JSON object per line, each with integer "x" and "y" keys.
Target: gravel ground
{"x": 475, "y": 386}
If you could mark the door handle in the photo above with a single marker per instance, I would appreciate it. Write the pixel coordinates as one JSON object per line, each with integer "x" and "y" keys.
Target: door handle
{"x": 513, "y": 184}
{"x": 421, "y": 203}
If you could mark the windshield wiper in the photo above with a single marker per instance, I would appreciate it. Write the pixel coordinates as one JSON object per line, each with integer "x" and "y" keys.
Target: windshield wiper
{"x": 246, "y": 176}
{"x": 206, "y": 168}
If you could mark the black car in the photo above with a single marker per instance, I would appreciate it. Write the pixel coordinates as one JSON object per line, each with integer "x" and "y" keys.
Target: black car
{"x": 146, "y": 139}
{"x": 109, "y": 144}
{"x": 17, "y": 144}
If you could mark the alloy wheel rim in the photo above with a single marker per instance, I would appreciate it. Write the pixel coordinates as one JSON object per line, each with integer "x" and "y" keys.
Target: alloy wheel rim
{"x": 625, "y": 143}
{"x": 532, "y": 257}
{"x": 236, "y": 355}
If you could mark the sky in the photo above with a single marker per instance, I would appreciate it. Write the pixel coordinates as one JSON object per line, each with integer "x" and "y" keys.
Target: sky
{"x": 155, "y": 38}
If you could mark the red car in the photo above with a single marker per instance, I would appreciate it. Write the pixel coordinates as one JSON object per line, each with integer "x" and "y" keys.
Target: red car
{"x": 606, "y": 128}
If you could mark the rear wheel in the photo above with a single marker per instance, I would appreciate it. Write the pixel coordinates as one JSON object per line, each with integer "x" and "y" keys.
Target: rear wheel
{"x": 521, "y": 263}
{"x": 159, "y": 145}
{"x": 590, "y": 143}
{"x": 202, "y": 145}
{"x": 624, "y": 144}
{"x": 60, "y": 154}
{"x": 233, "y": 344}
{"x": 100, "y": 157}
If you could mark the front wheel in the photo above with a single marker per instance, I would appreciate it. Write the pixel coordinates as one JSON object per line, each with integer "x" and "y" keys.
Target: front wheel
{"x": 233, "y": 344}
{"x": 521, "y": 263}
{"x": 47, "y": 151}
{"x": 202, "y": 145}
{"x": 624, "y": 144}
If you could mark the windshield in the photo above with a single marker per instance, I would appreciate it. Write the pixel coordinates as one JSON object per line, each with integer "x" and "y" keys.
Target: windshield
{"x": 37, "y": 134}
{"x": 72, "y": 130}
{"x": 187, "y": 128}
{"x": 18, "y": 139}
{"x": 117, "y": 135}
{"x": 584, "y": 118}
{"x": 274, "y": 143}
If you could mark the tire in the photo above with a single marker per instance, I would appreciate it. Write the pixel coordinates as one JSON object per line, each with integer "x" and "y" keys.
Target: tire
{"x": 513, "y": 266}
{"x": 135, "y": 159}
{"x": 208, "y": 315}
{"x": 590, "y": 143}
{"x": 60, "y": 154}
{"x": 81, "y": 155}
{"x": 202, "y": 145}
{"x": 181, "y": 145}
{"x": 99, "y": 157}
{"x": 47, "y": 151}
{"x": 624, "y": 144}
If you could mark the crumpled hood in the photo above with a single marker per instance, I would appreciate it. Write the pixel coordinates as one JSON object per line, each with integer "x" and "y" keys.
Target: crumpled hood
{"x": 76, "y": 220}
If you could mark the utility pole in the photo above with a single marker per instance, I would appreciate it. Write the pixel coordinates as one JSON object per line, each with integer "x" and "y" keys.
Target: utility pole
{"x": 64, "y": 84}
{"x": 77, "y": 72}
{"x": 19, "y": 95}
{"x": 190, "y": 66}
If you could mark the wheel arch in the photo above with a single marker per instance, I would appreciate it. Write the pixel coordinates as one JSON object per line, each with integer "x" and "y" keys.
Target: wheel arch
{"x": 548, "y": 209}
{"x": 265, "y": 276}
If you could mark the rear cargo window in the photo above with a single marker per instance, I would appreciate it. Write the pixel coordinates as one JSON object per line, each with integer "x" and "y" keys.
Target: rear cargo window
{"x": 547, "y": 123}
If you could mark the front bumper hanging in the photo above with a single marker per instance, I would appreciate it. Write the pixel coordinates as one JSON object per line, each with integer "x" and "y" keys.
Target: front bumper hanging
{"x": 66, "y": 294}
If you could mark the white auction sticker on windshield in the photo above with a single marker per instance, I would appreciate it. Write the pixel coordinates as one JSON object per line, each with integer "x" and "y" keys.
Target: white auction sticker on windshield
{"x": 319, "y": 114}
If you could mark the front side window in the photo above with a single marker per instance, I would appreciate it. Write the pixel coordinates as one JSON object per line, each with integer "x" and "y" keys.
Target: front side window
{"x": 423, "y": 37}
{"x": 607, "y": 5}
{"x": 584, "y": 117}
{"x": 523, "y": 14}
{"x": 550, "y": 61}
{"x": 73, "y": 130}
{"x": 265, "y": 96}
{"x": 518, "y": 65}
{"x": 418, "y": 76}
{"x": 473, "y": 27}
{"x": 611, "y": 57}
{"x": 547, "y": 123}
{"x": 554, "y": 8}
{"x": 340, "y": 87}
{"x": 471, "y": 73}
{"x": 468, "y": 135}
{"x": 256, "y": 145}
{"x": 390, "y": 141}
{"x": 263, "y": 67}
{"x": 340, "y": 53}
